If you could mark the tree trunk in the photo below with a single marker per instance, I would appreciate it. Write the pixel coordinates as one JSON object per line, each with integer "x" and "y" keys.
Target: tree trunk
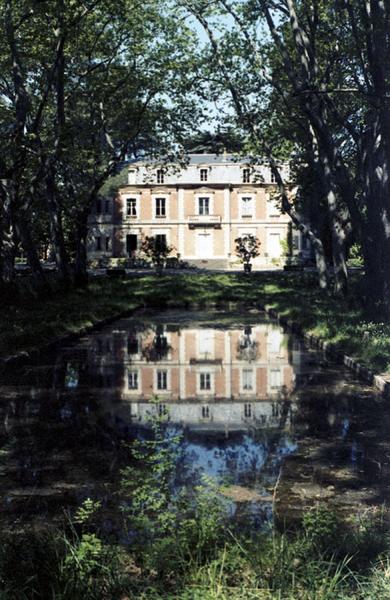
{"x": 322, "y": 269}
{"x": 56, "y": 229}
{"x": 386, "y": 262}
{"x": 376, "y": 226}
{"x": 23, "y": 231}
{"x": 7, "y": 246}
{"x": 81, "y": 273}
{"x": 336, "y": 226}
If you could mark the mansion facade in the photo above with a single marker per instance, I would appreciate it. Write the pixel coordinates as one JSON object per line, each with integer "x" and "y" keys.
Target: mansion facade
{"x": 199, "y": 210}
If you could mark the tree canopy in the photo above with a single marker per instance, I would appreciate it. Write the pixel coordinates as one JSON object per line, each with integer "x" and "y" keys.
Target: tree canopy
{"x": 85, "y": 84}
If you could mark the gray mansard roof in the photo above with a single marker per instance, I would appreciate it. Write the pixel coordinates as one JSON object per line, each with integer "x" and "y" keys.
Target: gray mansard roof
{"x": 216, "y": 159}
{"x": 204, "y": 158}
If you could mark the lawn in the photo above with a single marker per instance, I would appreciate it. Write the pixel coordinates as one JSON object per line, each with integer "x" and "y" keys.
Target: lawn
{"x": 31, "y": 322}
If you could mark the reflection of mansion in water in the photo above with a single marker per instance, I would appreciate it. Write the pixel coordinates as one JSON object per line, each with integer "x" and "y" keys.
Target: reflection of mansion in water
{"x": 198, "y": 375}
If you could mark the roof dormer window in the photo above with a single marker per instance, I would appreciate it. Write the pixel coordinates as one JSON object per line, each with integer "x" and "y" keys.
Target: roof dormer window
{"x": 160, "y": 176}
{"x": 246, "y": 175}
{"x": 204, "y": 174}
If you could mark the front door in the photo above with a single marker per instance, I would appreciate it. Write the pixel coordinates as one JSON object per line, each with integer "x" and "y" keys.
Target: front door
{"x": 204, "y": 245}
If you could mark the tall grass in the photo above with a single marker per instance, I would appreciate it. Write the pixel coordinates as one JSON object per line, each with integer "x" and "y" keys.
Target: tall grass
{"x": 63, "y": 565}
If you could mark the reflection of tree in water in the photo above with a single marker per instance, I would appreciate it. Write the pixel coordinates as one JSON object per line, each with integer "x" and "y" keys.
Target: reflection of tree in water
{"x": 158, "y": 348}
{"x": 58, "y": 448}
{"x": 247, "y": 347}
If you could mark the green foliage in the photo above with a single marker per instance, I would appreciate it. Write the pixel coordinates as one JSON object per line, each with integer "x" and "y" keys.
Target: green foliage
{"x": 321, "y": 528}
{"x": 87, "y": 511}
{"x": 85, "y": 556}
{"x": 168, "y": 525}
{"x": 355, "y": 256}
{"x": 155, "y": 250}
{"x": 247, "y": 248}
{"x": 192, "y": 565}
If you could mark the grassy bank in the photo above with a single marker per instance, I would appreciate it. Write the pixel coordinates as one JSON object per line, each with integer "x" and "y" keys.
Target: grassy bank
{"x": 339, "y": 321}
{"x": 71, "y": 566}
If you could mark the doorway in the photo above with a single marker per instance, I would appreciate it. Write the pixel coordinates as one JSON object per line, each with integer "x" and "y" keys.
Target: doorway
{"x": 274, "y": 249}
{"x": 131, "y": 244}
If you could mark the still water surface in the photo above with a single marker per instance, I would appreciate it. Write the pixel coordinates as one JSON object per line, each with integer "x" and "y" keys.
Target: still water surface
{"x": 271, "y": 421}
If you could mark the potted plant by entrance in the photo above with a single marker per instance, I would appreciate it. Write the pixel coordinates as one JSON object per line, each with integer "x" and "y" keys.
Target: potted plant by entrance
{"x": 157, "y": 250}
{"x": 247, "y": 248}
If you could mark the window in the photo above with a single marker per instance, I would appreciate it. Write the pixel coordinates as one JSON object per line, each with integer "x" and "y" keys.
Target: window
{"x": 98, "y": 243}
{"x": 247, "y": 379}
{"x": 275, "y": 378}
{"x": 161, "y": 207}
{"x": 273, "y": 208}
{"x": 98, "y": 206}
{"x": 161, "y": 241}
{"x": 132, "y": 380}
{"x": 108, "y": 243}
{"x": 205, "y": 412}
{"x": 160, "y": 176}
{"x": 107, "y": 207}
{"x": 274, "y": 341}
{"x": 205, "y": 381}
{"x": 203, "y": 174}
{"x": 246, "y": 175}
{"x": 206, "y": 344}
{"x": 273, "y": 178}
{"x": 162, "y": 380}
{"x": 131, "y": 209}
{"x": 247, "y": 410}
{"x": 204, "y": 206}
{"x": 246, "y": 206}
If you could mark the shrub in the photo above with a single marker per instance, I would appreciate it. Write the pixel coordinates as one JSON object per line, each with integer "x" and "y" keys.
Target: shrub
{"x": 156, "y": 250}
{"x": 247, "y": 248}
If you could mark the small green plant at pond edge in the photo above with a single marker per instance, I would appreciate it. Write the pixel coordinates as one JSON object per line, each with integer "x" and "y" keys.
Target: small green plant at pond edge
{"x": 87, "y": 511}
{"x": 175, "y": 525}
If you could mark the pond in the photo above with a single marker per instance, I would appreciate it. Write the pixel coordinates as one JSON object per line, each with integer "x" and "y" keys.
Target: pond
{"x": 247, "y": 406}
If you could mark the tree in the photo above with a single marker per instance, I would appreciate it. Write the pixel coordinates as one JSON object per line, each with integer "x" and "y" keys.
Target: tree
{"x": 247, "y": 248}
{"x": 157, "y": 250}
{"x": 318, "y": 68}
{"x": 82, "y": 87}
